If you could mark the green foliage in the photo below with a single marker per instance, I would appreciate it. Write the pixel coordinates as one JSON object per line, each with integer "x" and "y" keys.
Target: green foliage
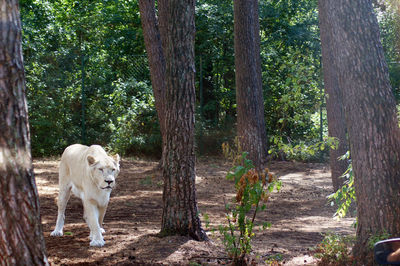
{"x": 301, "y": 151}
{"x": 345, "y": 195}
{"x": 103, "y": 38}
{"x": 133, "y": 119}
{"x": 334, "y": 250}
{"x": 294, "y": 95}
{"x": 215, "y": 62}
{"x": 290, "y": 68}
{"x": 62, "y": 38}
{"x": 377, "y": 237}
{"x": 147, "y": 181}
{"x": 274, "y": 260}
{"x": 69, "y": 46}
{"x": 252, "y": 192}
{"x": 389, "y": 22}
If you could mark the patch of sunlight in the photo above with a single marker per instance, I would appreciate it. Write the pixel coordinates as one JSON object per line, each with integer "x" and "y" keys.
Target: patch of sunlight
{"x": 199, "y": 179}
{"x": 291, "y": 176}
{"x": 302, "y": 260}
{"x": 319, "y": 224}
{"x": 138, "y": 194}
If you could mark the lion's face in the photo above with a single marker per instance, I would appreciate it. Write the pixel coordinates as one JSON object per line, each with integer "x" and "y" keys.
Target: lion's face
{"x": 104, "y": 171}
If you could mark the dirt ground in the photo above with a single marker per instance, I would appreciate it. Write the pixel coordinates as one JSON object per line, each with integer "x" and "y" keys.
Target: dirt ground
{"x": 299, "y": 214}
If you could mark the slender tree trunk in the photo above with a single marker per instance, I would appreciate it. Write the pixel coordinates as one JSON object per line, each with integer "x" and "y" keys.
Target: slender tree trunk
{"x": 180, "y": 214}
{"x": 371, "y": 119}
{"x": 21, "y": 237}
{"x": 152, "y": 40}
{"x": 334, "y": 103}
{"x": 249, "y": 95}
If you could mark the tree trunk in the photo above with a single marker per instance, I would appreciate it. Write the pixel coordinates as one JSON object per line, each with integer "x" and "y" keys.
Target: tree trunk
{"x": 334, "y": 103}
{"x": 180, "y": 214}
{"x": 249, "y": 95}
{"x": 155, "y": 54}
{"x": 21, "y": 237}
{"x": 371, "y": 119}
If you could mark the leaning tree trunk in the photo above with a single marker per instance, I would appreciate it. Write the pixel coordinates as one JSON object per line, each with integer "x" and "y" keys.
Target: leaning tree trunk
{"x": 334, "y": 103}
{"x": 155, "y": 54}
{"x": 249, "y": 95}
{"x": 371, "y": 119}
{"x": 180, "y": 214}
{"x": 21, "y": 237}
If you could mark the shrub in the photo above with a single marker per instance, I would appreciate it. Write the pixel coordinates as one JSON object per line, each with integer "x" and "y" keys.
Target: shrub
{"x": 252, "y": 192}
{"x": 301, "y": 150}
{"x": 334, "y": 250}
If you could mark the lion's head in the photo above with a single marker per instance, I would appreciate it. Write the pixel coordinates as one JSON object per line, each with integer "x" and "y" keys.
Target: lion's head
{"x": 104, "y": 170}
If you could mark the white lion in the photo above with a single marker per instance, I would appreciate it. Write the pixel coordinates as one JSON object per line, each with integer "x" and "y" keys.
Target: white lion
{"x": 90, "y": 174}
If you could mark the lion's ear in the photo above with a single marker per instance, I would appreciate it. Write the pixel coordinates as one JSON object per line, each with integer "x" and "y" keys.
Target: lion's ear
{"x": 91, "y": 160}
{"x": 116, "y": 158}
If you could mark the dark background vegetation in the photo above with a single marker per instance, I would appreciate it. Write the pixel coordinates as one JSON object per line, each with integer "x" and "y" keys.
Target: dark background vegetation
{"x": 88, "y": 79}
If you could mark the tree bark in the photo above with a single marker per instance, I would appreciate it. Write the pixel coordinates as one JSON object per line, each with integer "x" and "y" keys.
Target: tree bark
{"x": 249, "y": 95}
{"x": 180, "y": 213}
{"x": 371, "y": 119}
{"x": 155, "y": 54}
{"x": 21, "y": 237}
{"x": 334, "y": 103}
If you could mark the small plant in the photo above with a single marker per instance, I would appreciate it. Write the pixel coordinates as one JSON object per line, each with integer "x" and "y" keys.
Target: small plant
{"x": 334, "y": 250}
{"x": 274, "y": 260}
{"x": 147, "y": 181}
{"x": 252, "y": 192}
{"x": 345, "y": 195}
{"x": 377, "y": 237}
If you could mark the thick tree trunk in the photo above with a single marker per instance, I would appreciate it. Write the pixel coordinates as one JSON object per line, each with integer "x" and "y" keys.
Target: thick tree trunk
{"x": 180, "y": 214}
{"x": 334, "y": 103}
{"x": 163, "y": 22}
{"x": 371, "y": 119}
{"x": 21, "y": 237}
{"x": 249, "y": 95}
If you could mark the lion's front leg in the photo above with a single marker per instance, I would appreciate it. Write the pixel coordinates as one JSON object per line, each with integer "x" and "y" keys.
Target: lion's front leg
{"x": 102, "y": 212}
{"x": 92, "y": 219}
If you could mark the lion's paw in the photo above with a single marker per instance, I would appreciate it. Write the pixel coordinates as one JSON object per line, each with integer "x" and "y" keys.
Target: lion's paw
{"x": 56, "y": 233}
{"x": 97, "y": 243}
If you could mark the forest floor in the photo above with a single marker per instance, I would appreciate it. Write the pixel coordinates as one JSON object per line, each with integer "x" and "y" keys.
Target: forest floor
{"x": 299, "y": 215}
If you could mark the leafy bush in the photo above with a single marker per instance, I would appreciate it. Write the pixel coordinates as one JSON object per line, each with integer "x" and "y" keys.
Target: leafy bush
{"x": 135, "y": 128}
{"x": 301, "y": 150}
{"x": 334, "y": 250}
{"x": 377, "y": 237}
{"x": 252, "y": 192}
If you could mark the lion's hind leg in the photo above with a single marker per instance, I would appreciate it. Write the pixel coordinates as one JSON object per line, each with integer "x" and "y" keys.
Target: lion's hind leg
{"x": 63, "y": 197}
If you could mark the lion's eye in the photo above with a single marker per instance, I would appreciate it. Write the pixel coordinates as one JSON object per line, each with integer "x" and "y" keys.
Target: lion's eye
{"x": 101, "y": 169}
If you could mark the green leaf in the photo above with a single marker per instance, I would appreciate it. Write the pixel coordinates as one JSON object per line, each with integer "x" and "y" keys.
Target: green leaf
{"x": 266, "y": 225}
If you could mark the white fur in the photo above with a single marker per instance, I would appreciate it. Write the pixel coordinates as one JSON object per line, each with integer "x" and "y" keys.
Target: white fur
{"x": 84, "y": 171}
